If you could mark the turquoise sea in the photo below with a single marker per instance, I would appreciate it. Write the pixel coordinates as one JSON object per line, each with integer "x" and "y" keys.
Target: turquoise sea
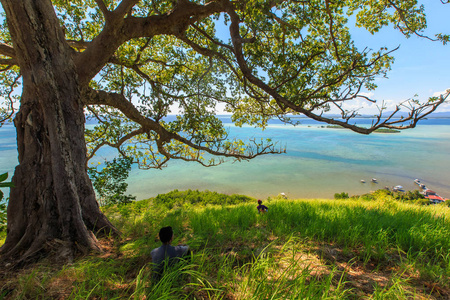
{"x": 319, "y": 162}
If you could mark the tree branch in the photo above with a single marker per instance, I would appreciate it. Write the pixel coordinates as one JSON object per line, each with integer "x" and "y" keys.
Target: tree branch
{"x": 414, "y": 116}
{"x": 101, "y": 5}
{"x": 7, "y": 50}
{"x": 11, "y": 101}
{"x": 124, "y": 8}
{"x": 120, "y": 29}
{"x": 118, "y": 101}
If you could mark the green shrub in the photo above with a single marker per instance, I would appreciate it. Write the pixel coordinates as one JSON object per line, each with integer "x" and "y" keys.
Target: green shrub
{"x": 109, "y": 183}
{"x": 3, "y": 205}
{"x": 383, "y": 194}
{"x": 342, "y": 195}
{"x": 409, "y": 196}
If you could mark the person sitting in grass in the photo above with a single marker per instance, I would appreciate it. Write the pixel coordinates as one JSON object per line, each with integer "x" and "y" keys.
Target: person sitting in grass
{"x": 166, "y": 255}
{"x": 261, "y": 208}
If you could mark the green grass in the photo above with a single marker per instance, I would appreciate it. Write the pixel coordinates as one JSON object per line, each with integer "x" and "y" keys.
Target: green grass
{"x": 300, "y": 249}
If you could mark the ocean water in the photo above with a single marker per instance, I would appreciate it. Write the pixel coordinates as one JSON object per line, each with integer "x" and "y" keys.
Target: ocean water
{"x": 319, "y": 162}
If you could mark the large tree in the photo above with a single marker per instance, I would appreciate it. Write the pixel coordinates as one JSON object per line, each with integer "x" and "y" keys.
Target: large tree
{"x": 128, "y": 63}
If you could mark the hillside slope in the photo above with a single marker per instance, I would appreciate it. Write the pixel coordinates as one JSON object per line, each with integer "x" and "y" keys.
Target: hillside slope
{"x": 316, "y": 249}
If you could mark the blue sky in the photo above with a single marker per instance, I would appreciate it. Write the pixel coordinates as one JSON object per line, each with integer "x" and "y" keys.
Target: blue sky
{"x": 421, "y": 66}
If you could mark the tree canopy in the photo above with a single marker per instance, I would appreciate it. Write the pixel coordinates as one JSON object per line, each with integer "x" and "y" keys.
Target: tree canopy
{"x": 137, "y": 60}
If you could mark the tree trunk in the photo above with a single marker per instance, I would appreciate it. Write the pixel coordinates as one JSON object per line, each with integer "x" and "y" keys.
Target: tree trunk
{"x": 53, "y": 206}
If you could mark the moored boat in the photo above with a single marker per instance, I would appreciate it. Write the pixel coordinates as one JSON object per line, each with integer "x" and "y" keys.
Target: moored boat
{"x": 398, "y": 188}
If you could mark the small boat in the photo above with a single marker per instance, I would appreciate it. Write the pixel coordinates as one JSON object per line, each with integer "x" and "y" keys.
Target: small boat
{"x": 420, "y": 184}
{"x": 374, "y": 180}
{"x": 363, "y": 181}
{"x": 398, "y": 188}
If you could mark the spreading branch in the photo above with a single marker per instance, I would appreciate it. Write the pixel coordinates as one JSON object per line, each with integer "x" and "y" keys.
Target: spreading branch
{"x": 165, "y": 138}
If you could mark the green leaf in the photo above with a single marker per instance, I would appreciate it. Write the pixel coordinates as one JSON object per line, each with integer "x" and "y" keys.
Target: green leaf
{"x": 3, "y": 177}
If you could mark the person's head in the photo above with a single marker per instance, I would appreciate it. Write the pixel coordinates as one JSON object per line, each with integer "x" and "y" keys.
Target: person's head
{"x": 259, "y": 202}
{"x": 165, "y": 234}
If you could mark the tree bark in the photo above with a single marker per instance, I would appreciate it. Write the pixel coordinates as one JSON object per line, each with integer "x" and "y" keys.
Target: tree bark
{"x": 52, "y": 206}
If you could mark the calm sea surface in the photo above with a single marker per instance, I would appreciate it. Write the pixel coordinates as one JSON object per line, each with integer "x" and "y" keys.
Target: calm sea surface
{"x": 319, "y": 162}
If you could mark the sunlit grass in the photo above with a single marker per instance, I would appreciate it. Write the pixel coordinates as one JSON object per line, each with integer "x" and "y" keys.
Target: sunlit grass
{"x": 299, "y": 249}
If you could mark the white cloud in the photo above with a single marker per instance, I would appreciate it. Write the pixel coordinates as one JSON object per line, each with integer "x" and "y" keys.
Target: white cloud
{"x": 437, "y": 94}
{"x": 366, "y": 107}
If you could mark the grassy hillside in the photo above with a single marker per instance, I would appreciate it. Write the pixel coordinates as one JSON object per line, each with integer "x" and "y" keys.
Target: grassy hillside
{"x": 300, "y": 249}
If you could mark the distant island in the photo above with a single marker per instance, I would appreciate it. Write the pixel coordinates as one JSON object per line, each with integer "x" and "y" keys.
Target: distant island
{"x": 434, "y": 115}
{"x": 380, "y": 130}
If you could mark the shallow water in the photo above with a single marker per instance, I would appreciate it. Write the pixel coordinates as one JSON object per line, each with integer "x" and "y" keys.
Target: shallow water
{"x": 319, "y": 162}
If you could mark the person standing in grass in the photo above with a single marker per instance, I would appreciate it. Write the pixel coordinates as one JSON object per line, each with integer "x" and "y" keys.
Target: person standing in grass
{"x": 261, "y": 208}
{"x": 166, "y": 255}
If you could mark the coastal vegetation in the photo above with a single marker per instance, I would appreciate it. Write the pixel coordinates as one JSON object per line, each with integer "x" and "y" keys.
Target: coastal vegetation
{"x": 356, "y": 248}
{"x": 387, "y": 130}
{"x": 379, "y": 130}
{"x": 408, "y": 196}
{"x": 109, "y": 182}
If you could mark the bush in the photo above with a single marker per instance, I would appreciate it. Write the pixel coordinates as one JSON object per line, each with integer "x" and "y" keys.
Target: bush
{"x": 342, "y": 195}
{"x": 109, "y": 183}
{"x": 409, "y": 196}
{"x": 383, "y": 194}
{"x": 3, "y": 205}
{"x": 2, "y": 218}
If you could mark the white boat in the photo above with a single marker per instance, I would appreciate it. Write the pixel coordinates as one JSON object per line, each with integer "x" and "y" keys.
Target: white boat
{"x": 374, "y": 180}
{"x": 422, "y": 186}
{"x": 398, "y": 188}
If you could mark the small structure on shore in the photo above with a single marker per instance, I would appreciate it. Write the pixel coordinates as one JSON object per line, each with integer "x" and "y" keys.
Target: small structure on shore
{"x": 430, "y": 194}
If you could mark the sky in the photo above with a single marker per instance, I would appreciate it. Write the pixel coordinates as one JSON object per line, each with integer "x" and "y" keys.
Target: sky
{"x": 421, "y": 66}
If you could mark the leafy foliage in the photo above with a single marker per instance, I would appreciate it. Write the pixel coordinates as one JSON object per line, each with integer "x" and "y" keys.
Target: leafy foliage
{"x": 3, "y": 205}
{"x": 109, "y": 181}
{"x": 408, "y": 196}
{"x": 258, "y": 59}
{"x": 342, "y": 195}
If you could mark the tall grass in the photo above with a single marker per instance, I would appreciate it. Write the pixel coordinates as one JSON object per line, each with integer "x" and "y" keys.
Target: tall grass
{"x": 376, "y": 227}
{"x": 240, "y": 254}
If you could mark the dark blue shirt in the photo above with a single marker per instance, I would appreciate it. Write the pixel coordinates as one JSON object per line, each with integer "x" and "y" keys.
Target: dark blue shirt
{"x": 160, "y": 254}
{"x": 262, "y": 208}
